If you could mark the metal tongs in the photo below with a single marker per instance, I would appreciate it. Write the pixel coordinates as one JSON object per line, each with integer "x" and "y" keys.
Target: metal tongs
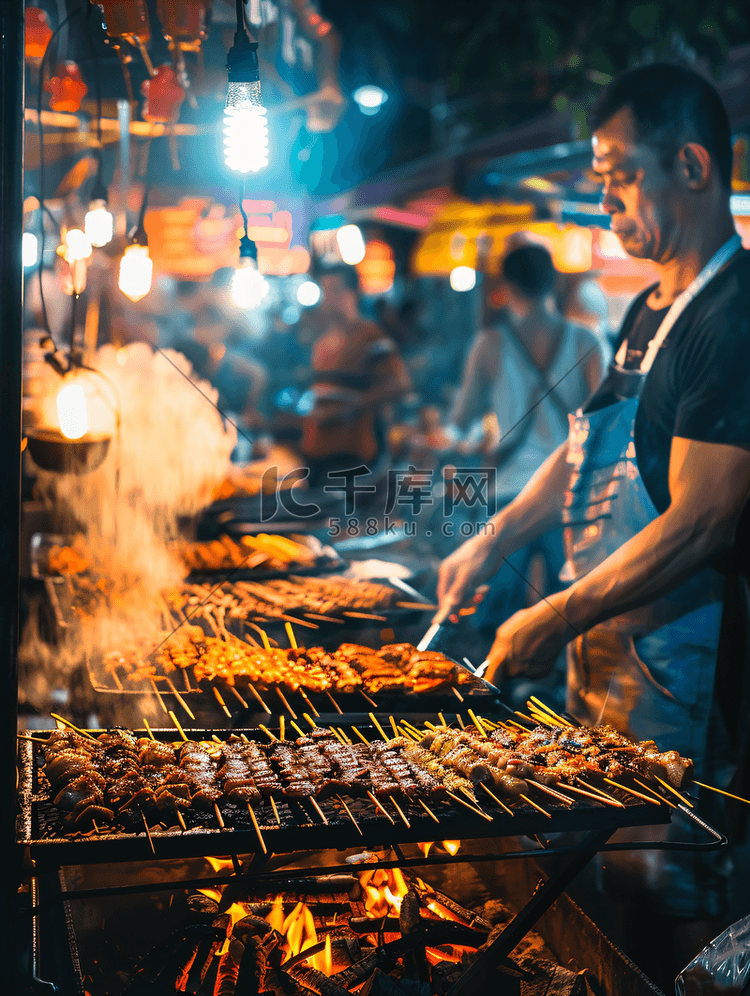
{"x": 438, "y": 630}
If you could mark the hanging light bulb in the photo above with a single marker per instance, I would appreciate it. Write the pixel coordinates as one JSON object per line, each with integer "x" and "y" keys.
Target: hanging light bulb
{"x": 351, "y": 244}
{"x": 245, "y": 125}
{"x": 29, "y": 249}
{"x": 99, "y": 224}
{"x": 136, "y": 270}
{"x": 71, "y": 411}
{"x": 75, "y": 249}
{"x": 249, "y": 287}
{"x": 136, "y": 266}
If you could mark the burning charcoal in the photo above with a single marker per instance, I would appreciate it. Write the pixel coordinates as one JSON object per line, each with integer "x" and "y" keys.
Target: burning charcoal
{"x": 472, "y": 918}
{"x": 314, "y": 980}
{"x": 374, "y": 925}
{"x": 444, "y": 975}
{"x": 384, "y": 957}
{"x": 494, "y": 911}
{"x": 202, "y": 908}
{"x": 409, "y": 919}
{"x": 345, "y": 951}
{"x": 173, "y": 958}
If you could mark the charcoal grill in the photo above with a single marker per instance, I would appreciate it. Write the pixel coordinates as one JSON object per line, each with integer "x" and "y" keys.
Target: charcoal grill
{"x": 40, "y": 829}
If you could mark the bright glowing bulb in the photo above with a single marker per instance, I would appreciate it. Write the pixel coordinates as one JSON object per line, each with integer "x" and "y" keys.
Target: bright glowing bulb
{"x": 71, "y": 411}
{"x": 370, "y": 98}
{"x": 248, "y": 286}
{"x": 308, "y": 294}
{"x": 463, "y": 278}
{"x": 136, "y": 270}
{"x": 29, "y": 247}
{"x": 245, "y": 129}
{"x": 99, "y": 224}
{"x": 78, "y": 245}
{"x": 351, "y": 244}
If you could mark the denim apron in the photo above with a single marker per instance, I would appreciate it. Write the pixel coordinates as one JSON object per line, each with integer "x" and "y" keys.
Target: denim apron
{"x": 649, "y": 672}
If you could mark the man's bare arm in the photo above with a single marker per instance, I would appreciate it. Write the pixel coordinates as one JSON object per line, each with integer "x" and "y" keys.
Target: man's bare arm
{"x": 479, "y": 372}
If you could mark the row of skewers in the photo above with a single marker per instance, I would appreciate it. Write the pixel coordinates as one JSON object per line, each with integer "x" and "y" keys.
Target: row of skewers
{"x": 117, "y": 778}
{"x": 260, "y": 552}
{"x": 394, "y": 668}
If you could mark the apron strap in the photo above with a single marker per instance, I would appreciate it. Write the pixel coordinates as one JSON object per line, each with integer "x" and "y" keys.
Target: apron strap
{"x": 709, "y": 271}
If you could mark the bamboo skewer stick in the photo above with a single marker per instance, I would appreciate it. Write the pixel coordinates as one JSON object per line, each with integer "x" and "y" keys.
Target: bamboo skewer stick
{"x": 349, "y": 814}
{"x": 180, "y": 819}
{"x": 275, "y": 810}
{"x": 605, "y": 795}
{"x": 630, "y": 791}
{"x": 334, "y": 703}
{"x": 157, "y": 693}
{"x": 498, "y": 801}
{"x": 322, "y": 815}
{"x": 674, "y": 791}
{"x": 597, "y": 798}
{"x": 379, "y": 806}
{"x": 546, "y": 708}
{"x": 365, "y": 615}
{"x": 299, "y": 731}
{"x": 416, "y": 605}
{"x": 476, "y": 723}
{"x": 267, "y": 732}
{"x": 400, "y": 812}
{"x": 730, "y": 795}
{"x": 468, "y": 806}
{"x": 659, "y": 798}
{"x": 148, "y": 833}
{"x": 290, "y": 635}
{"x": 322, "y": 618}
{"x": 254, "y": 818}
{"x": 220, "y": 700}
{"x": 372, "y": 702}
{"x": 116, "y": 679}
{"x": 535, "y": 805}
{"x": 392, "y": 721}
{"x": 551, "y": 792}
{"x": 148, "y": 728}
{"x": 176, "y": 722}
{"x": 219, "y": 816}
{"x": 312, "y": 708}
{"x": 378, "y": 727}
{"x": 460, "y": 721}
{"x": 180, "y": 699}
{"x": 441, "y": 717}
{"x": 282, "y": 728}
{"x": 427, "y": 809}
{"x": 264, "y": 638}
{"x": 237, "y": 695}
{"x": 27, "y": 736}
{"x": 338, "y": 736}
{"x": 472, "y": 798}
{"x": 308, "y": 718}
{"x": 255, "y": 694}
{"x": 66, "y": 722}
{"x": 361, "y": 736}
{"x": 456, "y": 692}
{"x": 288, "y": 708}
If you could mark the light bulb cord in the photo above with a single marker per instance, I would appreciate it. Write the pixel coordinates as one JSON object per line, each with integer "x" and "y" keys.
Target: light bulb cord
{"x": 47, "y": 50}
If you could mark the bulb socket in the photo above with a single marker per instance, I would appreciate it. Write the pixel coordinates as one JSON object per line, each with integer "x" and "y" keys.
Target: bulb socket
{"x": 248, "y": 249}
{"x": 242, "y": 60}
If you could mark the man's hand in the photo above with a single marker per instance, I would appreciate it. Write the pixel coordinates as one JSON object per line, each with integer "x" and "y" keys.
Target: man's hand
{"x": 464, "y": 570}
{"x": 529, "y": 642}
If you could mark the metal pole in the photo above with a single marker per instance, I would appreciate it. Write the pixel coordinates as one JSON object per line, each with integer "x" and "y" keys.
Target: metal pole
{"x": 11, "y": 305}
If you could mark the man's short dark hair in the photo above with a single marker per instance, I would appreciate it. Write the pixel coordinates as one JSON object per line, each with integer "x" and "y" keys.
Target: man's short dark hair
{"x": 671, "y": 105}
{"x": 530, "y": 270}
{"x": 346, "y": 274}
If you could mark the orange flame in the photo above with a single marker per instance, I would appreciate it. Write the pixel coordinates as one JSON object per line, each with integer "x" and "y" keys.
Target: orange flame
{"x": 451, "y": 846}
{"x": 425, "y": 848}
{"x": 384, "y": 891}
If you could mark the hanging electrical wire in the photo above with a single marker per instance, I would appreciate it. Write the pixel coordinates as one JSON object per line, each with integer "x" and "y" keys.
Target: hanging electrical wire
{"x": 245, "y": 125}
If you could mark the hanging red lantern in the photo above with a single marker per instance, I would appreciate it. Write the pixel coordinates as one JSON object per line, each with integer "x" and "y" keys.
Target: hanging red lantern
{"x": 163, "y": 94}
{"x": 126, "y": 19}
{"x": 184, "y": 22}
{"x": 37, "y": 33}
{"x": 66, "y": 88}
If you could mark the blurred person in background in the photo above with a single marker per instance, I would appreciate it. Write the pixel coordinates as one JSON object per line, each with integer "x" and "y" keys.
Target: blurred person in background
{"x": 528, "y": 367}
{"x": 239, "y": 380}
{"x": 356, "y": 371}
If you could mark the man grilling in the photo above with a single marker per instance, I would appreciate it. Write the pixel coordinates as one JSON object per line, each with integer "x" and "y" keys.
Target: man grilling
{"x": 653, "y": 481}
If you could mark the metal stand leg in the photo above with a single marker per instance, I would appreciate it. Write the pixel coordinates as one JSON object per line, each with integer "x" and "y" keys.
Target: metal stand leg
{"x": 522, "y": 923}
